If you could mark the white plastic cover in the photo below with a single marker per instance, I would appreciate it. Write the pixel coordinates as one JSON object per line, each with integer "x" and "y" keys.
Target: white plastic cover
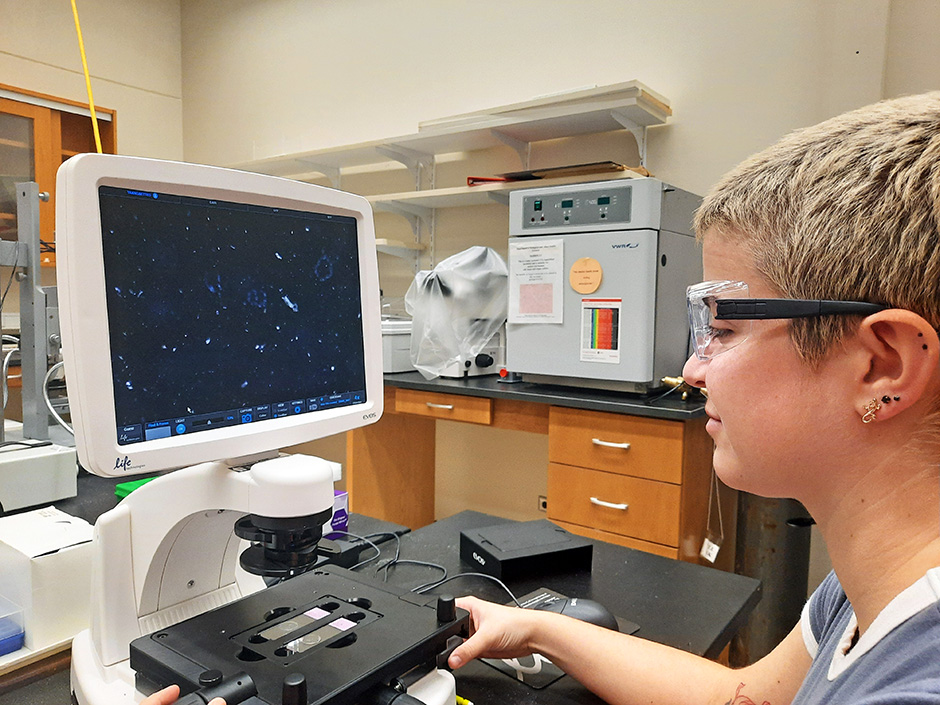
{"x": 457, "y": 307}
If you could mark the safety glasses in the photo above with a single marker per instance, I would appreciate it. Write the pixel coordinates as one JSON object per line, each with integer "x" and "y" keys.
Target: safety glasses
{"x": 721, "y": 312}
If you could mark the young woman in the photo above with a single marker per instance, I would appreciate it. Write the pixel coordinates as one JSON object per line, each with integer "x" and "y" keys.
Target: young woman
{"x": 816, "y": 336}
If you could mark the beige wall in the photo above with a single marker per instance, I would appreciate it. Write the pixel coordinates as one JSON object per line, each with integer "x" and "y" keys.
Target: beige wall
{"x": 288, "y": 75}
{"x": 133, "y": 51}
{"x": 261, "y": 79}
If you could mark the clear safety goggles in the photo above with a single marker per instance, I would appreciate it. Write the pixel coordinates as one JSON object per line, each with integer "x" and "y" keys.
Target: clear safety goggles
{"x": 721, "y": 313}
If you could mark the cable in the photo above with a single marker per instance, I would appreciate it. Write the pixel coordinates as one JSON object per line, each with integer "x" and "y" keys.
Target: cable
{"x": 406, "y": 561}
{"x": 671, "y": 390}
{"x": 25, "y": 444}
{"x": 424, "y": 588}
{"x": 7, "y": 338}
{"x": 379, "y": 550}
{"x": 6, "y": 370}
{"x": 363, "y": 539}
{"x": 91, "y": 99}
{"x": 16, "y": 259}
{"x": 45, "y": 395}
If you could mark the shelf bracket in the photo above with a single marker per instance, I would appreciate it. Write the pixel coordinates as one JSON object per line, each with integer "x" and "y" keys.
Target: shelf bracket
{"x": 523, "y": 148}
{"x": 330, "y": 172}
{"x": 411, "y": 158}
{"x": 415, "y": 215}
{"x": 638, "y": 131}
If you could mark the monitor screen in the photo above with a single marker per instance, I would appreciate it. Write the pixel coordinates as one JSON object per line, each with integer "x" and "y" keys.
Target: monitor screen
{"x": 224, "y": 313}
{"x": 240, "y": 312}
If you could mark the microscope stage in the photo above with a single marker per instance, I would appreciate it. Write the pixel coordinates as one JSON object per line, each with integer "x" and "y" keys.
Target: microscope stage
{"x": 343, "y": 632}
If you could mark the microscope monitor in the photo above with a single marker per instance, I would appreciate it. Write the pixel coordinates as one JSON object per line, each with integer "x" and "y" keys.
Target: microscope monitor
{"x": 210, "y": 318}
{"x": 211, "y": 314}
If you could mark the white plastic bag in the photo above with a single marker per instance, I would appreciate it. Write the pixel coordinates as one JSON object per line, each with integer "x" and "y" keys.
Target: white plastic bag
{"x": 457, "y": 307}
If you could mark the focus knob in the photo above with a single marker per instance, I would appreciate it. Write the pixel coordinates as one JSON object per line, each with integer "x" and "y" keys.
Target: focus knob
{"x": 446, "y": 609}
{"x": 294, "y": 690}
{"x": 484, "y": 360}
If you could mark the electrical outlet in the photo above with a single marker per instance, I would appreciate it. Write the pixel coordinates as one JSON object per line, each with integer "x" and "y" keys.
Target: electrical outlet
{"x": 543, "y": 503}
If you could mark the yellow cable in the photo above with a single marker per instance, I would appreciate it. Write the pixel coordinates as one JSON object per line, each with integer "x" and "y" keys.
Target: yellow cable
{"x": 91, "y": 100}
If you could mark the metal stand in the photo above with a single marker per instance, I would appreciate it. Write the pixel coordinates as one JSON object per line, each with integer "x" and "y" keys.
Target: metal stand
{"x": 30, "y": 476}
{"x": 35, "y": 316}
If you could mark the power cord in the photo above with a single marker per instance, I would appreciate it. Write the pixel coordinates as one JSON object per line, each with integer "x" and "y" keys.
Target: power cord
{"x": 397, "y": 560}
{"x": 424, "y": 588}
{"x": 45, "y": 395}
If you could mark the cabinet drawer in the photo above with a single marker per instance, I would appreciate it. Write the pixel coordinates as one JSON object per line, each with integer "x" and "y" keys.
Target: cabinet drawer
{"x": 629, "y": 506}
{"x": 617, "y": 539}
{"x": 627, "y": 445}
{"x": 453, "y": 407}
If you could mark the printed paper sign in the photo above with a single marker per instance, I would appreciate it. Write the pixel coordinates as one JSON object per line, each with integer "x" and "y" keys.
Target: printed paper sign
{"x": 535, "y": 281}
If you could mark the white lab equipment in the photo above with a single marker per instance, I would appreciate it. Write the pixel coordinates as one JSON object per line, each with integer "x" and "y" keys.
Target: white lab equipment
{"x": 458, "y": 311}
{"x": 597, "y": 280}
{"x": 210, "y": 317}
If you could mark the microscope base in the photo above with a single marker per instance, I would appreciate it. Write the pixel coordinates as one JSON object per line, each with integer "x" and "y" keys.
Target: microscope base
{"x": 342, "y": 632}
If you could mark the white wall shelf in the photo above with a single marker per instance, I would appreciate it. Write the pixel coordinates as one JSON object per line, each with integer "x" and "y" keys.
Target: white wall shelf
{"x": 482, "y": 194}
{"x": 624, "y": 106}
{"x": 629, "y": 105}
{"x": 397, "y": 248}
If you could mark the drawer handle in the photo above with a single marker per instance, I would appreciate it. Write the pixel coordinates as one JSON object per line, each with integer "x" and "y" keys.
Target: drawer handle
{"x": 449, "y": 407}
{"x": 609, "y": 444}
{"x": 610, "y": 505}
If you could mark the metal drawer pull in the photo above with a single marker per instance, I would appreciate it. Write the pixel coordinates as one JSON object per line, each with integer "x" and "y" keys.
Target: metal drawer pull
{"x": 609, "y": 505}
{"x": 449, "y": 407}
{"x": 608, "y": 444}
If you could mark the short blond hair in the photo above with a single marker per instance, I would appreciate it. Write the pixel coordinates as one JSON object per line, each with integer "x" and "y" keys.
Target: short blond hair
{"x": 847, "y": 209}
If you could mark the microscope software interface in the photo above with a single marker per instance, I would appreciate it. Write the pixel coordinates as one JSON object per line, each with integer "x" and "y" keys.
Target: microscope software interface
{"x": 256, "y": 307}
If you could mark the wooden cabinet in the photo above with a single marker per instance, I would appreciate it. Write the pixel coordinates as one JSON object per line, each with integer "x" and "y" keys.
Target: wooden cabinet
{"x": 616, "y": 443}
{"x": 38, "y": 133}
{"x": 451, "y": 407}
{"x": 636, "y": 481}
{"x": 640, "y": 482}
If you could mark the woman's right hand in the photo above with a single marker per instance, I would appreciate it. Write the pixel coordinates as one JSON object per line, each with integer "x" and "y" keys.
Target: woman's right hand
{"x": 496, "y": 631}
{"x": 169, "y": 695}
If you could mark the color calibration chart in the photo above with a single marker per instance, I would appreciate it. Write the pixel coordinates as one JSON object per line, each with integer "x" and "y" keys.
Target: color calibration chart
{"x": 600, "y": 330}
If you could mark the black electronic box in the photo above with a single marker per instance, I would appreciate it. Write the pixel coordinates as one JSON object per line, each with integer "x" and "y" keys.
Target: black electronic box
{"x": 524, "y": 549}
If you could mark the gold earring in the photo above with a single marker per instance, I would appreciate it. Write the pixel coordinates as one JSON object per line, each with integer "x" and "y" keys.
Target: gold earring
{"x": 871, "y": 409}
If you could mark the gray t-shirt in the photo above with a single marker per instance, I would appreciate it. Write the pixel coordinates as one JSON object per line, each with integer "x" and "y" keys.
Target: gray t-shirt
{"x": 896, "y": 661}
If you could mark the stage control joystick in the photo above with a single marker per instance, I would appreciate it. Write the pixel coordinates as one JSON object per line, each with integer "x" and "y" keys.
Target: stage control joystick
{"x": 294, "y": 690}
{"x": 446, "y": 609}
{"x": 234, "y": 690}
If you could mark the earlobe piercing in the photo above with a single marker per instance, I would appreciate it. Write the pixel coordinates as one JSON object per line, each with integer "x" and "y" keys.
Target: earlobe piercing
{"x": 871, "y": 409}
